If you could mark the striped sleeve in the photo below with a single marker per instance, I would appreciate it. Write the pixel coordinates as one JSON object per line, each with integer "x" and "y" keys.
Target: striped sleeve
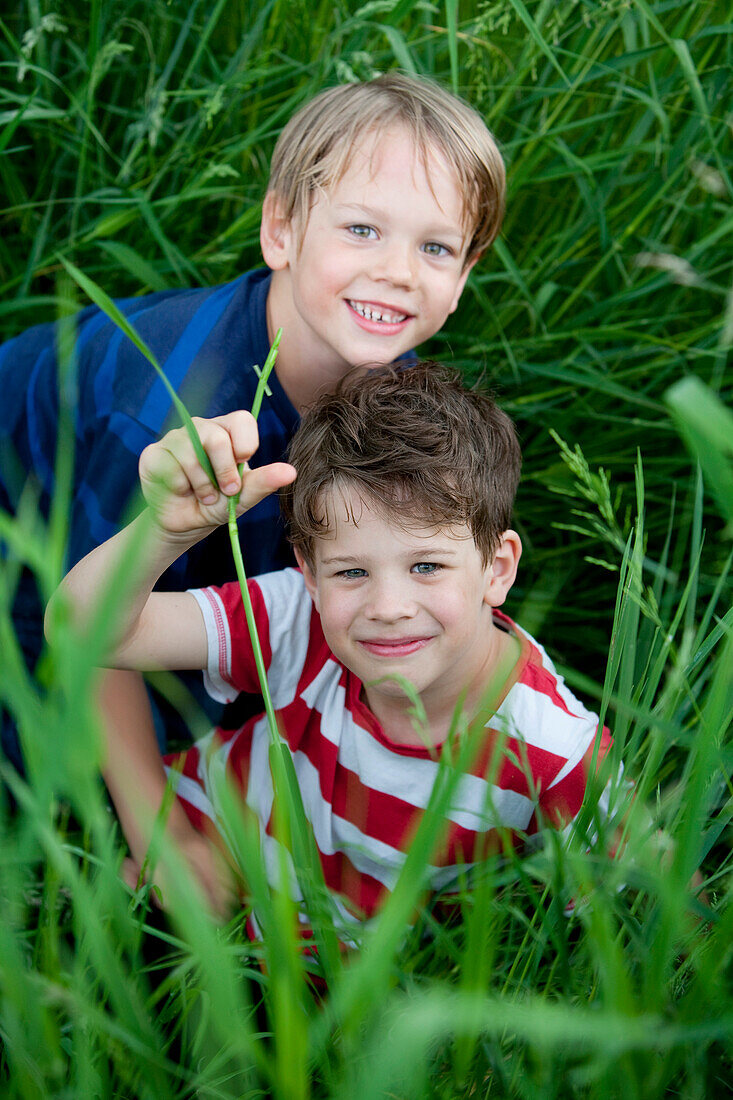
{"x": 283, "y": 614}
{"x": 559, "y": 745}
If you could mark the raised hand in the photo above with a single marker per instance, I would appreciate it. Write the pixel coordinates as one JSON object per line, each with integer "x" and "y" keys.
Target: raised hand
{"x": 178, "y": 490}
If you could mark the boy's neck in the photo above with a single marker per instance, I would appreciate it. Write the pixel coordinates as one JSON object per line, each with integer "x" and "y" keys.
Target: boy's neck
{"x": 395, "y": 714}
{"x": 303, "y": 370}
{"x": 302, "y": 375}
{"x": 302, "y": 386}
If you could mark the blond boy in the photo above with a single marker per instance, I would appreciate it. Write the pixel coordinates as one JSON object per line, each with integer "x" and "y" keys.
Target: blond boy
{"x": 381, "y": 199}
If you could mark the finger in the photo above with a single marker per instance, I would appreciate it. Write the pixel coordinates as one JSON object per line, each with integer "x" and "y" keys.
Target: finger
{"x": 160, "y": 467}
{"x": 173, "y": 462}
{"x": 177, "y": 467}
{"x": 172, "y": 466}
{"x": 229, "y": 440}
{"x": 242, "y": 429}
{"x": 263, "y": 480}
{"x": 130, "y": 875}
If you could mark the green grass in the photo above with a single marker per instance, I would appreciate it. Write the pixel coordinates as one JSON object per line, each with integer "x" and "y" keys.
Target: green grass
{"x": 135, "y": 145}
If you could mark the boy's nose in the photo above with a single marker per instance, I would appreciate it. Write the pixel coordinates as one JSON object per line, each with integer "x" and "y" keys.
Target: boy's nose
{"x": 389, "y": 601}
{"x": 396, "y": 264}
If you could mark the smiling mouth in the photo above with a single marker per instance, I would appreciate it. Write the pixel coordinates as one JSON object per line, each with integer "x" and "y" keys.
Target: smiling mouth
{"x": 399, "y": 647}
{"x": 372, "y": 312}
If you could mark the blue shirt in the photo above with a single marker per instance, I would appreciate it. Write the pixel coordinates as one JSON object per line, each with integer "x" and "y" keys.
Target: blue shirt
{"x": 207, "y": 341}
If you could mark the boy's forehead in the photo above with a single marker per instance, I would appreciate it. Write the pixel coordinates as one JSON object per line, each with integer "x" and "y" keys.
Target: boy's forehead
{"x": 347, "y": 512}
{"x": 372, "y": 152}
{"x": 338, "y": 504}
{"x": 367, "y": 146}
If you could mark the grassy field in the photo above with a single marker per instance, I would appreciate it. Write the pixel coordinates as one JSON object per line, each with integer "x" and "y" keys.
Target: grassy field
{"x": 134, "y": 142}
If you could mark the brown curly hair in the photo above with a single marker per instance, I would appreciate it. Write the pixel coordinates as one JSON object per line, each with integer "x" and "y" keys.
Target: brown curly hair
{"x": 416, "y": 444}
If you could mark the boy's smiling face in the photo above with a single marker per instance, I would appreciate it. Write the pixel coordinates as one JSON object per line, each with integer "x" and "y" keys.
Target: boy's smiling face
{"x": 376, "y": 270}
{"x": 412, "y": 601}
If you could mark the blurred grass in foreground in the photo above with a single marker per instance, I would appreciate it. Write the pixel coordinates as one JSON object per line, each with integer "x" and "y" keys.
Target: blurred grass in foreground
{"x": 135, "y": 141}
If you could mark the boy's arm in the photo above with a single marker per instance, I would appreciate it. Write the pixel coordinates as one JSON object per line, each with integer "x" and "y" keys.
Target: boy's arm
{"x": 136, "y": 780}
{"x": 165, "y": 629}
{"x": 151, "y": 629}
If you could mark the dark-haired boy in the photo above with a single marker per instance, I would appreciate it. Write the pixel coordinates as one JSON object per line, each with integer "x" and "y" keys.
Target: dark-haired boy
{"x": 399, "y": 516}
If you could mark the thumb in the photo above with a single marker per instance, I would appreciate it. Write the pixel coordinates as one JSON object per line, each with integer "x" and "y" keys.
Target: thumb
{"x": 263, "y": 480}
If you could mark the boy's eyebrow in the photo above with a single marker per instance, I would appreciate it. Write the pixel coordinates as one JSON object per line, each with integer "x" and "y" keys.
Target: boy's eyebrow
{"x": 409, "y": 552}
{"x": 377, "y": 213}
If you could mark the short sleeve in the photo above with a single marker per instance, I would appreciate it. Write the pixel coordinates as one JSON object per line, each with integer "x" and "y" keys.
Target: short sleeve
{"x": 283, "y": 614}
{"x": 564, "y": 753}
{"x": 561, "y": 802}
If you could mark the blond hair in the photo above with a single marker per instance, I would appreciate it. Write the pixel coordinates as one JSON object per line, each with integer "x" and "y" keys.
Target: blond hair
{"x": 416, "y": 445}
{"x": 315, "y": 146}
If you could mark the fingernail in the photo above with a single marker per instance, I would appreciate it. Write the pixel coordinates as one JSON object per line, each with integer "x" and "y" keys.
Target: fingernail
{"x": 232, "y": 487}
{"x": 210, "y": 498}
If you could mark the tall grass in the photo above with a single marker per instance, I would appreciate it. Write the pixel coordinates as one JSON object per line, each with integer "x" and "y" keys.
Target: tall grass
{"x": 135, "y": 141}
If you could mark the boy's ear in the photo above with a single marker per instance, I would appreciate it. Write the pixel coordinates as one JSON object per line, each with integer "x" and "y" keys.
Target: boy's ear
{"x": 276, "y": 233}
{"x": 462, "y": 282}
{"x": 502, "y": 572}
{"x": 308, "y": 576}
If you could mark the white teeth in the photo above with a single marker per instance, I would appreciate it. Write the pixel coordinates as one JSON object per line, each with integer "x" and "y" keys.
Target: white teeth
{"x": 371, "y": 314}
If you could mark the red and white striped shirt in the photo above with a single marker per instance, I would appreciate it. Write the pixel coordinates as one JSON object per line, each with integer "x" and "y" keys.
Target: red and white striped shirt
{"x": 363, "y": 794}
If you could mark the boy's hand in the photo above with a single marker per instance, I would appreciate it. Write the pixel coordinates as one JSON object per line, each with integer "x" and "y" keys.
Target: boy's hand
{"x": 209, "y": 869}
{"x": 177, "y": 489}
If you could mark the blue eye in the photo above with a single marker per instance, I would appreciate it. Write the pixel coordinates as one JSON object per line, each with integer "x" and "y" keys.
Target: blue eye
{"x": 425, "y": 568}
{"x": 364, "y": 232}
{"x": 353, "y": 574}
{"x": 432, "y": 248}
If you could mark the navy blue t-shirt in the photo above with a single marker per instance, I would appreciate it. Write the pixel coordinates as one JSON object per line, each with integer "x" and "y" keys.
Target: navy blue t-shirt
{"x": 207, "y": 341}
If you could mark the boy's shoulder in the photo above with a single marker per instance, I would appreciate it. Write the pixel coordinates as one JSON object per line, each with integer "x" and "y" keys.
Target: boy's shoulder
{"x": 186, "y": 319}
{"x": 162, "y": 318}
{"x": 538, "y": 708}
{"x": 205, "y": 339}
{"x": 288, "y": 628}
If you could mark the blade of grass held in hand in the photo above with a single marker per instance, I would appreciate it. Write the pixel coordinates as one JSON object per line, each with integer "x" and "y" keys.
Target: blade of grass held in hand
{"x": 291, "y": 814}
{"x": 262, "y": 387}
{"x": 105, "y": 303}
